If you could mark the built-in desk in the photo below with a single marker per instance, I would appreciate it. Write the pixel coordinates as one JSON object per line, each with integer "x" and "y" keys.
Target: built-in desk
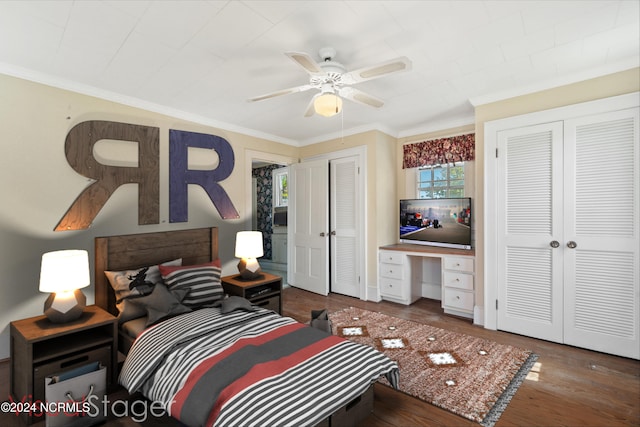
{"x": 408, "y": 272}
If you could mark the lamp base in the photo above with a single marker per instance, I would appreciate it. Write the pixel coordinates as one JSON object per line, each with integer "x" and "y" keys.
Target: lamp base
{"x": 249, "y": 269}
{"x": 63, "y": 307}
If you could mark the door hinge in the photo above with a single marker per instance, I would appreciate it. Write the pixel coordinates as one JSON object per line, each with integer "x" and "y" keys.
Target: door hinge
{"x": 496, "y": 153}
{"x": 358, "y": 279}
{"x": 496, "y": 304}
{"x": 358, "y": 170}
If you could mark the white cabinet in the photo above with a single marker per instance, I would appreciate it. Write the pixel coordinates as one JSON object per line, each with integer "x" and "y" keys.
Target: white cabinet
{"x": 401, "y": 275}
{"x": 395, "y": 277}
{"x": 458, "y": 285}
{"x": 279, "y": 248}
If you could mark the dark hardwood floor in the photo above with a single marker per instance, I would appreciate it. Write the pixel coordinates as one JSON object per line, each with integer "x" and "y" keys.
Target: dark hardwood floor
{"x": 567, "y": 387}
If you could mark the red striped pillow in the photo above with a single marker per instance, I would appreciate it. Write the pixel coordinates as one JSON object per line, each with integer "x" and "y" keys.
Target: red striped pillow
{"x": 202, "y": 282}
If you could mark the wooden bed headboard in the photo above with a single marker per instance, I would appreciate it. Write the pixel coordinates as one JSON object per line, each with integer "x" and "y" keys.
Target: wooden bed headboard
{"x": 132, "y": 251}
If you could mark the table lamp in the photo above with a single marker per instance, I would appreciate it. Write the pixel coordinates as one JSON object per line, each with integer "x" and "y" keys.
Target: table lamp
{"x": 248, "y": 248}
{"x": 63, "y": 273}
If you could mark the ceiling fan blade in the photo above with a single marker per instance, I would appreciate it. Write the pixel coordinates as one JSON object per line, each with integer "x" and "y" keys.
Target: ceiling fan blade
{"x": 281, "y": 92}
{"x": 305, "y": 61}
{"x": 375, "y": 71}
{"x": 310, "y": 111}
{"x": 360, "y": 97}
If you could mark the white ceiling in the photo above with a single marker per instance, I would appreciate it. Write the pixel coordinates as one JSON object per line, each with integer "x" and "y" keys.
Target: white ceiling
{"x": 202, "y": 60}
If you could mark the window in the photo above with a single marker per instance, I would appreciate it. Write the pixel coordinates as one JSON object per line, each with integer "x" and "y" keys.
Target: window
{"x": 439, "y": 181}
{"x": 280, "y": 187}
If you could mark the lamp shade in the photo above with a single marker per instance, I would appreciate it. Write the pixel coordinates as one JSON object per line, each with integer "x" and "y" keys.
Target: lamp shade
{"x": 249, "y": 244}
{"x": 327, "y": 104}
{"x": 63, "y": 271}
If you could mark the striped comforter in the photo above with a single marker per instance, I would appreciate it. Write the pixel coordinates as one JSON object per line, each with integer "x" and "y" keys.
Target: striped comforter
{"x": 249, "y": 368}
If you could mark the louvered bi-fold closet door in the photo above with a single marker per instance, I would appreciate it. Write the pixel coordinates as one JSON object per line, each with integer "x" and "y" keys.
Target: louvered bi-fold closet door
{"x": 530, "y": 296}
{"x": 601, "y": 279}
{"x": 344, "y": 223}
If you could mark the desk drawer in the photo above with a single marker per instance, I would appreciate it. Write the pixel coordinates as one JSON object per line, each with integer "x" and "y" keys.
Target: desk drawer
{"x": 391, "y": 271}
{"x": 391, "y": 257}
{"x": 392, "y": 288}
{"x": 458, "y": 299}
{"x": 457, "y": 280}
{"x": 458, "y": 263}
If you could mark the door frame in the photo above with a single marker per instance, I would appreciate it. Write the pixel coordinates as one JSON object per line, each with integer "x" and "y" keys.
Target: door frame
{"x": 361, "y": 153}
{"x": 251, "y": 156}
{"x": 490, "y": 226}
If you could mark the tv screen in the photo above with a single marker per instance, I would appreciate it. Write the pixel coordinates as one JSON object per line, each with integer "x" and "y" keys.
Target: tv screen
{"x": 436, "y": 222}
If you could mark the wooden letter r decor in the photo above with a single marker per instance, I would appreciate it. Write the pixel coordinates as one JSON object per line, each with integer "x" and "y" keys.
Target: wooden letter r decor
{"x": 107, "y": 178}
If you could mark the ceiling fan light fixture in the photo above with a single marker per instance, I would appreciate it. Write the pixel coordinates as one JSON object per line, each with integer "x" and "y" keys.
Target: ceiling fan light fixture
{"x": 327, "y": 104}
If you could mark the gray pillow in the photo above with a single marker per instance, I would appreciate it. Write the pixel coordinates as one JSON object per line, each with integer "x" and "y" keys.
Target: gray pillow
{"x": 234, "y": 302}
{"x": 161, "y": 304}
{"x": 119, "y": 281}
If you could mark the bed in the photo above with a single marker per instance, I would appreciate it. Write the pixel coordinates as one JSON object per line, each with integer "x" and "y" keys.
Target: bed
{"x": 227, "y": 362}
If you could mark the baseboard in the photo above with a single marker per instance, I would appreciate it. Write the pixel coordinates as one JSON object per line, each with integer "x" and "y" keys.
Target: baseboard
{"x": 373, "y": 294}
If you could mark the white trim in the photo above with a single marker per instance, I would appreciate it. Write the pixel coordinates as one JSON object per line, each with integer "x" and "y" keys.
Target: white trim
{"x": 491, "y": 130}
{"x": 361, "y": 153}
{"x": 563, "y": 80}
{"x": 439, "y": 125}
{"x": 84, "y": 89}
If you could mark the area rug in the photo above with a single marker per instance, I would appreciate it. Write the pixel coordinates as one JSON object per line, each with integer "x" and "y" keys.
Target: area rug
{"x": 471, "y": 377}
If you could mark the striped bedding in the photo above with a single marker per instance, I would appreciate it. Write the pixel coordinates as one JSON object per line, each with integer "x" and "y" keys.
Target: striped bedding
{"x": 251, "y": 368}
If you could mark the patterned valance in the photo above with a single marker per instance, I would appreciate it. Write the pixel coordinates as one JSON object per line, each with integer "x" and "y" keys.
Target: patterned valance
{"x": 439, "y": 151}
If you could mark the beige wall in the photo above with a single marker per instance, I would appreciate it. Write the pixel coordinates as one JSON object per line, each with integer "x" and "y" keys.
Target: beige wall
{"x": 589, "y": 90}
{"x": 38, "y": 186}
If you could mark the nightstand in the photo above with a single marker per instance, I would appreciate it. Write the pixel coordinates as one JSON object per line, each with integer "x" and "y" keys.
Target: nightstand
{"x": 40, "y": 348}
{"x": 265, "y": 291}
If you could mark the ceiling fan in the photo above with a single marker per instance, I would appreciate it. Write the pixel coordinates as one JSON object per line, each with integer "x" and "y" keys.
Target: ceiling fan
{"x": 334, "y": 82}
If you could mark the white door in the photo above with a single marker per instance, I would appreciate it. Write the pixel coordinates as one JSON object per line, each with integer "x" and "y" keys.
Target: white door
{"x": 529, "y": 235}
{"x": 602, "y": 192}
{"x": 308, "y": 227}
{"x": 345, "y": 223}
{"x": 568, "y": 232}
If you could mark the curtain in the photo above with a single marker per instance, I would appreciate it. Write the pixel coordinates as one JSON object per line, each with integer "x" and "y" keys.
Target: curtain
{"x": 439, "y": 151}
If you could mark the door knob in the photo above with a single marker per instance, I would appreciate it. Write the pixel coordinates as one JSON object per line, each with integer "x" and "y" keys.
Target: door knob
{"x": 571, "y": 244}
{"x": 333, "y": 233}
{"x": 554, "y": 244}
{"x": 323, "y": 234}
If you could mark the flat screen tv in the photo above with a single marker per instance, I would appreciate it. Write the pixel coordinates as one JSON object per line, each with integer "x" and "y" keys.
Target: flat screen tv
{"x": 436, "y": 222}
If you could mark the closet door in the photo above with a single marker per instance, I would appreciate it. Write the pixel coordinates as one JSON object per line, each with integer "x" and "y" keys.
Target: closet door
{"x": 529, "y": 235}
{"x": 345, "y": 223}
{"x": 601, "y": 279}
{"x": 308, "y": 226}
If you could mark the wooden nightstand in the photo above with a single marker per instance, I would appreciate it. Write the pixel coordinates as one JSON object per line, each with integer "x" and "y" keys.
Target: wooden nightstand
{"x": 40, "y": 348}
{"x": 265, "y": 291}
